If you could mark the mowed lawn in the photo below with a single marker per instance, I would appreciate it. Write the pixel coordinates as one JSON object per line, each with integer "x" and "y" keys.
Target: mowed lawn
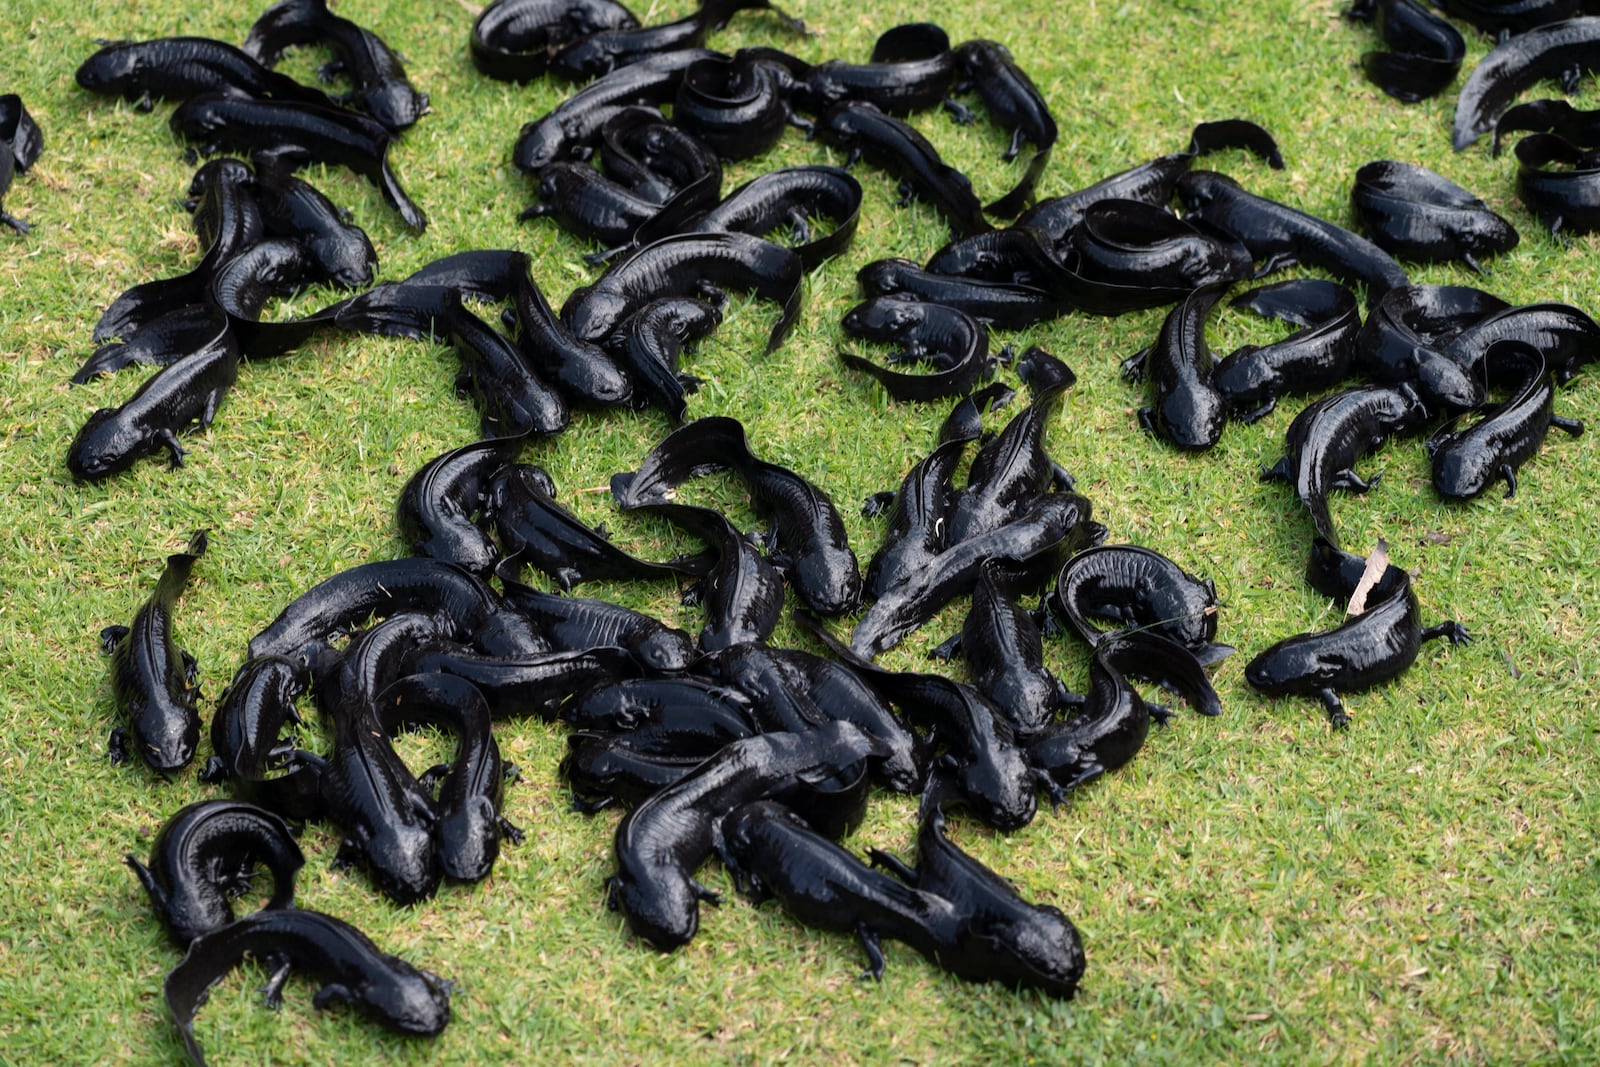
{"x": 1419, "y": 888}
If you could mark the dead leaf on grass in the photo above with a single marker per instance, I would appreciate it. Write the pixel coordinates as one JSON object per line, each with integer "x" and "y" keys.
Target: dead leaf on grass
{"x": 1377, "y": 564}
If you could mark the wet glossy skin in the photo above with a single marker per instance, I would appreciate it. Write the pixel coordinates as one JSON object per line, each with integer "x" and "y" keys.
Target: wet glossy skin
{"x": 916, "y": 529}
{"x": 793, "y": 690}
{"x": 598, "y": 54}
{"x": 294, "y": 208}
{"x": 1431, "y": 314}
{"x": 511, "y": 398}
{"x": 385, "y": 815}
{"x": 485, "y": 274}
{"x": 982, "y": 758}
{"x": 1314, "y": 358}
{"x": 222, "y": 200}
{"x": 787, "y": 196}
{"x": 603, "y": 769}
{"x": 737, "y": 107}
{"x": 1426, "y": 51}
{"x": 511, "y": 40}
{"x": 647, "y": 347}
{"x": 1037, "y": 539}
{"x": 1152, "y": 183}
{"x": 1008, "y": 471}
{"x": 227, "y": 219}
{"x": 685, "y": 737}
{"x": 965, "y": 421}
{"x": 942, "y": 337}
{"x": 689, "y": 704}
{"x": 1016, "y": 255}
{"x": 652, "y": 157}
{"x": 884, "y": 141}
{"x": 777, "y": 690}
{"x": 954, "y": 343}
{"x": 1557, "y": 50}
{"x": 1008, "y": 307}
{"x": 418, "y": 307}
{"x": 8, "y": 167}
{"x": 532, "y": 685}
{"x": 20, "y": 144}
{"x": 1111, "y": 724}
{"x": 660, "y": 844}
{"x": 177, "y": 68}
{"x": 1015, "y": 104}
{"x": 986, "y": 934}
{"x": 1416, "y": 214}
{"x": 590, "y": 205}
{"x": 806, "y": 526}
{"x": 469, "y": 827}
{"x": 573, "y": 126}
{"x": 550, "y": 538}
{"x": 577, "y": 623}
{"x": 775, "y": 853}
{"x": 911, "y": 69}
{"x": 1567, "y": 199}
{"x": 687, "y": 265}
{"x": 277, "y": 267}
{"x": 1567, "y": 336}
{"x": 1366, "y": 650}
{"x": 337, "y": 604}
{"x": 604, "y": 51}
{"x": 1186, "y": 408}
{"x": 581, "y": 370}
{"x": 812, "y": 547}
{"x": 1107, "y": 731}
{"x": 1004, "y": 650}
{"x": 1501, "y": 18}
{"x": 293, "y": 136}
{"x": 20, "y": 132}
{"x": 375, "y": 657}
{"x": 435, "y": 511}
{"x": 1003, "y": 938}
{"x": 1165, "y": 663}
{"x": 380, "y": 85}
{"x": 833, "y": 801}
{"x": 112, "y": 439}
{"x": 1282, "y": 235}
{"x": 1334, "y": 572}
{"x": 1137, "y": 588}
{"x": 1092, "y": 296}
{"x": 607, "y": 769}
{"x": 243, "y": 286}
{"x": 254, "y": 709}
{"x": 248, "y": 746}
{"x": 350, "y": 967}
{"x": 7, "y": 171}
{"x": 1040, "y": 371}
{"x": 1130, "y": 244}
{"x": 207, "y": 852}
{"x": 400, "y": 309}
{"x": 1327, "y": 437}
{"x": 1581, "y": 128}
{"x": 243, "y": 269}
{"x": 1405, "y": 334}
{"x": 1467, "y": 460}
{"x": 742, "y": 594}
{"x": 160, "y": 342}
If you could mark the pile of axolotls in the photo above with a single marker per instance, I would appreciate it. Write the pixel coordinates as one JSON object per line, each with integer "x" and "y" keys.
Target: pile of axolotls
{"x": 721, "y": 742}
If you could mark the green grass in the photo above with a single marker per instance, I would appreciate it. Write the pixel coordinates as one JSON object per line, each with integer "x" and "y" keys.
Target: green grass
{"x": 1421, "y": 888}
